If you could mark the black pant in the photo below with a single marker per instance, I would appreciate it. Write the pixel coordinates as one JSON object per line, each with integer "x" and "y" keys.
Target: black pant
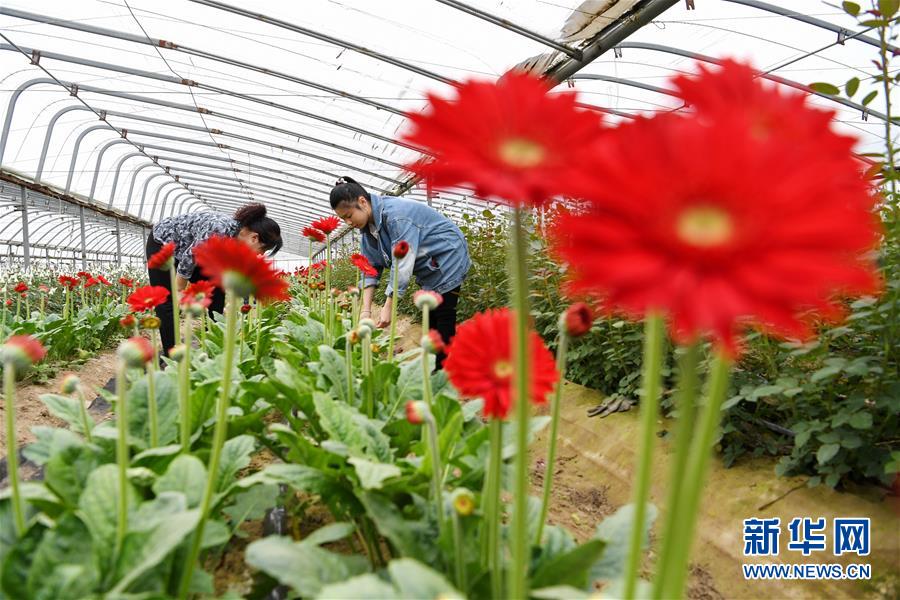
{"x": 443, "y": 320}
{"x": 165, "y": 311}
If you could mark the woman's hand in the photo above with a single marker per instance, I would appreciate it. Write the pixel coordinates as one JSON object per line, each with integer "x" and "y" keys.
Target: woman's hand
{"x": 385, "y": 319}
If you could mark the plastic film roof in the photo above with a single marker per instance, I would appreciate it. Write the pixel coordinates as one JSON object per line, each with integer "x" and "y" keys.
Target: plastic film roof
{"x": 224, "y": 103}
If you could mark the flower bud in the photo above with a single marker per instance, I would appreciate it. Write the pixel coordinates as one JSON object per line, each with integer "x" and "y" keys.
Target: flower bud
{"x": 127, "y": 321}
{"x": 401, "y": 249}
{"x": 354, "y": 336}
{"x": 376, "y": 348}
{"x": 69, "y": 383}
{"x": 367, "y": 324}
{"x": 150, "y": 322}
{"x": 577, "y": 320}
{"x": 195, "y": 309}
{"x": 463, "y": 502}
{"x": 135, "y": 352}
{"x": 416, "y": 411}
{"x": 428, "y": 298}
{"x": 432, "y": 342}
{"x": 353, "y": 291}
{"x": 21, "y": 351}
{"x": 245, "y": 308}
{"x": 178, "y": 352}
{"x": 335, "y": 292}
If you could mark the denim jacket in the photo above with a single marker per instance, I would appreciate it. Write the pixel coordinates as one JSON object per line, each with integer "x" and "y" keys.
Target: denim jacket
{"x": 438, "y": 255}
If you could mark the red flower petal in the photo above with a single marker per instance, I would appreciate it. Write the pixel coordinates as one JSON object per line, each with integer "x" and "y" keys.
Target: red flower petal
{"x": 147, "y": 297}
{"x": 327, "y": 225}
{"x": 220, "y": 257}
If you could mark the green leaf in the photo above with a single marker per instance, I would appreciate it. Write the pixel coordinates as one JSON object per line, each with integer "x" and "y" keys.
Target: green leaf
{"x": 361, "y": 587}
{"x": 346, "y": 425}
{"x": 306, "y": 568}
{"x": 235, "y": 456}
{"x": 330, "y": 533}
{"x": 415, "y": 581}
{"x": 186, "y": 474}
{"x": 888, "y": 7}
{"x": 68, "y": 409}
{"x": 252, "y": 503}
{"x": 300, "y": 477}
{"x": 826, "y": 373}
{"x": 334, "y": 369}
{"x": 67, "y": 472}
{"x": 825, "y": 88}
{"x": 560, "y": 591}
{"x": 98, "y": 507}
{"x": 50, "y": 440}
{"x": 826, "y": 452}
{"x": 869, "y": 97}
{"x": 373, "y": 474}
{"x": 851, "y": 8}
{"x": 571, "y": 568}
{"x": 410, "y": 538}
{"x": 63, "y": 552}
{"x": 613, "y": 530}
{"x": 861, "y": 420}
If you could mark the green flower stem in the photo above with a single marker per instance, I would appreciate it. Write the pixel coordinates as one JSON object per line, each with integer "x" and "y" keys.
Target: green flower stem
{"x": 122, "y": 457}
{"x": 219, "y": 432}
{"x": 204, "y": 323}
{"x": 12, "y": 456}
{"x": 308, "y": 273}
{"x": 328, "y": 297}
{"x": 554, "y": 432}
{"x": 684, "y": 429}
{"x": 184, "y": 387}
{"x": 395, "y": 276}
{"x": 458, "y": 562}
{"x": 354, "y": 315}
{"x": 348, "y": 360}
{"x": 18, "y": 307}
{"x": 43, "y": 303}
{"x": 65, "y": 305}
{"x": 176, "y": 305}
{"x": 82, "y": 293}
{"x": 152, "y": 411}
{"x": 86, "y": 422}
{"x": 491, "y": 501}
{"x": 653, "y": 360}
{"x": 695, "y": 476}
{"x": 518, "y": 573}
{"x": 27, "y": 306}
{"x": 436, "y": 471}
{"x": 258, "y": 324}
{"x": 426, "y": 371}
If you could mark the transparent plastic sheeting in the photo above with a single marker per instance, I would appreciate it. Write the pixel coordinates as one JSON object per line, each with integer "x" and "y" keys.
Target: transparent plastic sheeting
{"x": 240, "y": 107}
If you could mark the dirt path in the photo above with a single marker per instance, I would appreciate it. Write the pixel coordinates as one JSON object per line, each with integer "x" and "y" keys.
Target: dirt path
{"x": 31, "y": 411}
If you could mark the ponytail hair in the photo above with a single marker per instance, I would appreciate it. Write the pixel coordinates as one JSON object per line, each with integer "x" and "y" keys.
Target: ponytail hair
{"x": 253, "y": 217}
{"x": 346, "y": 189}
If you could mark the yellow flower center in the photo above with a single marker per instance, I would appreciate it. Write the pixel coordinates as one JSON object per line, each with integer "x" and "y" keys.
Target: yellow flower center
{"x": 521, "y": 152}
{"x": 704, "y": 226}
{"x": 503, "y": 369}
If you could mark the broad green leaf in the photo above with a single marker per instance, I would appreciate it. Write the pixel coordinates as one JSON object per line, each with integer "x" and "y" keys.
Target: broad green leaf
{"x": 409, "y": 382}
{"x": 235, "y": 456}
{"x": 572, "y": 568}
{"x": 560, "y": 591}
{"x": 334, "y": 368}
{"x": 361, "y": 587}
{"x": 300, "y": 477}
{"x": 346, "y": 425}
{"x": 143, "y": 550}
{"x": 167, "y": 408}
{"x": 98, "y": 507}
{"x": 851, "y": 86}
{"x": 252, "y": 503}
{"x": 67, "y": 471}
{"x": 410, "y": 538}
{"x": 373, "y": 474}
{"x": 535, "y": 425}
{"x": 861, "y": 420}
{"x": 851, "y": 8}
{"x": 613, "y": 530}
{"x": 826, "y": 452}
{"x": 330, "y": 533}
{"x": 825, "y": 88}
{"x": 306, "y": 568}
{"x": 50, "y": 440}
{"x": 415, "y": 580}
{"x": 186, "y": 474}
{"x": 888, "y": 7}
{"x": 68, "y": 409}
{"x": 64, "y": 551}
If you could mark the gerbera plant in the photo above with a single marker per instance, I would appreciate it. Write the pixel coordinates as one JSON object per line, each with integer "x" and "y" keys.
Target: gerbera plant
{"x": 234, "y": 267}
{"x": 517, "y": 156}
{"x": 195, "y": 299}
{"x": 164, "y": 260}
{"x": 327, "y": 225}
{"x": 141, "y": 300}
{"x": 733, "y": 222}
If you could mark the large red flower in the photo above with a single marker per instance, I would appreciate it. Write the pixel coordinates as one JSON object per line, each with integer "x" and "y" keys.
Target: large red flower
{"x": 22, "y": 351}
{"x": 162, "y": 259}
{"x": 199, "y": 292}
{"x": 21, "y": 287}
{"x": 480, "y": 362}
{"x": 723, "y": 226}
{"x": 147, "y": 297}
{"x": 129, "y": 283}
{"x": 68, "y": 282}
{"x": 362, "y": 263}
{"x": 103, "y": 280}
{"x": 232, "y": 264}
{"x": 327, "y": 224}
{"x": 509, "y": 139}
{"x": 313, "y": 234}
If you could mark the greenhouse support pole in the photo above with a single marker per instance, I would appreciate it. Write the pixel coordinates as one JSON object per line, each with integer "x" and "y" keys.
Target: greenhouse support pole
{"x": 100, "y": 154}
{"x": 48, "y": 135}
{"x": 26, "y": 246}
{"x": 118, "y": 241}
{"x": 83, "y": 238}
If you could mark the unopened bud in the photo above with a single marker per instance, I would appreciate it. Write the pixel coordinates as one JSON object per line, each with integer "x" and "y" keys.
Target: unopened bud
{"x": 195, "y": 309}
{"x": 135, "y": 352}
{"x": 127, "y": 321}
{"x": 69, "y": 384}
{"x": 416, "y": 411}
{"x": 428, "y": 298}
{"x": 21, "y": 351}
{"x": 178, "y": 352}
{"x": 432, "y": 342}
{"x": 245, "y": 308}
{"x": 463, "y": 502}
{"x": 577, "y": 319}
{"x": 150, "y": 322}
{"x": 368, "y": 324}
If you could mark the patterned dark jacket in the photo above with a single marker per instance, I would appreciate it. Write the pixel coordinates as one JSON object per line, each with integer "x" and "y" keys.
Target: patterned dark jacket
{"x": 189, "y": 230}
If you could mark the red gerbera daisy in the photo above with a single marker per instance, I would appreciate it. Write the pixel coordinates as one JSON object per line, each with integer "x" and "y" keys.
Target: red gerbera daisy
{"x": 103, "y": 280}
{"x": 578, "y": 319}
{"x": 147, "y": 297}
{"x": 83, "y": 274}
{"x": 67, "y": 281}
{"x": 723, "y": 227}
{"x": 362, "y": 263}
{"x": 509, "y": 139}
{"x": 199, "y": 292}
{"x": 313, "y": 234}
{"x": 327, "y": 224}
{"x": 480, "y": 362}
{"x": 232, "y": 264}
{"x": 129, "y": 283}
{"x": 401, "y": 249}
{"x": 44, "y": 289}
{"x": 21, "y": 287}
{"x": 22, "y": 350}
{"x": 91, "y": 281}
{"x": 163, "y": 258}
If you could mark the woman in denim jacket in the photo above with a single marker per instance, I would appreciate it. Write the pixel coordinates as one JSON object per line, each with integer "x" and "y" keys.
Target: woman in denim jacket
{"x": 438, "y": 255}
